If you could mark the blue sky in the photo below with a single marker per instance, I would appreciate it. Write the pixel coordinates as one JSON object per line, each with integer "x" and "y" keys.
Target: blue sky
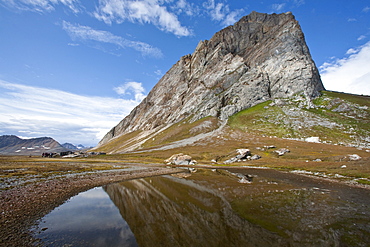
{"x": 72, "y": 69}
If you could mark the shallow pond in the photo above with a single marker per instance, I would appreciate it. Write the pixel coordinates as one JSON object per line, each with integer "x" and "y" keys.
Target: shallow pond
{"x": 213, "y": 208}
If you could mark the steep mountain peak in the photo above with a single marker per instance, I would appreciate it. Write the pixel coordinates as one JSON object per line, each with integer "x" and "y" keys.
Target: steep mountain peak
{"x": 261, "y": 57}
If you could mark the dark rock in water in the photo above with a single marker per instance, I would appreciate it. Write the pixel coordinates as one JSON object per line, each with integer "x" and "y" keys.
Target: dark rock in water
{"x": 261, "y": 57}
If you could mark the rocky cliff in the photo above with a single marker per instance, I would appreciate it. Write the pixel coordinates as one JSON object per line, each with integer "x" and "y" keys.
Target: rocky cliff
{"x": 259, "y": 58}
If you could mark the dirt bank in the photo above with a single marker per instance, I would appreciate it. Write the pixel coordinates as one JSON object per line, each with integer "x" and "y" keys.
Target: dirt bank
{"x": 22, "y": 206}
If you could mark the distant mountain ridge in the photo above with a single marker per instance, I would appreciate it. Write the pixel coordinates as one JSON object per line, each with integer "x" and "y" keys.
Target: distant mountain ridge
{"x": 70, "y": 146}
{"x": 13, "y": 145}
{"x": 261, "y": 57}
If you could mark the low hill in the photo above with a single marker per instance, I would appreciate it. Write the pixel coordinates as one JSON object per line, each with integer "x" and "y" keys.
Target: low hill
{"x": 13, "y": 145}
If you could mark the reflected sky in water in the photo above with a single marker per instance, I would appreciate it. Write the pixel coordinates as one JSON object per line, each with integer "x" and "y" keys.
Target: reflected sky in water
{"x": 88, "y": 219}
{"x": 213, "y": 208}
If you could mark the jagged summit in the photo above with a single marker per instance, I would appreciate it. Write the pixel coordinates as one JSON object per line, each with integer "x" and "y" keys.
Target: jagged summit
{"x": 261, "y": 57}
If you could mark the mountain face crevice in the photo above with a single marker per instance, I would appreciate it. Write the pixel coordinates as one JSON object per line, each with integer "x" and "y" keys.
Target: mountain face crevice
{"x": 260, "y": 57}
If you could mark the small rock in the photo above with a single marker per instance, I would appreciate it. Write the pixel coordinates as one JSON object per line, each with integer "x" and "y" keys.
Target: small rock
{"x": 343, "y": 166}
{"x": 317, "y": 160}
{"x": 314, "y": 139}
{"x": 255, "y": 157}
{"x": 353, "y": 157}
{"x": 282, "y": 151}
{"x": 343, "y": 108}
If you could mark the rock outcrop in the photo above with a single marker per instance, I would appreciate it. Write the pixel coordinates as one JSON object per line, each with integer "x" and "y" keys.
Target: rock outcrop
{"x": 259, "y": 58}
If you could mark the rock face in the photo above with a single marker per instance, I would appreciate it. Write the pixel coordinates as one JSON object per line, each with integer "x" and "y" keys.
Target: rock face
{"x": 259, "y": 58}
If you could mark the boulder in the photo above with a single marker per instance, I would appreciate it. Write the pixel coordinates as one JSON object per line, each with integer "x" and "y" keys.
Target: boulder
{"x": 180, "y": 159}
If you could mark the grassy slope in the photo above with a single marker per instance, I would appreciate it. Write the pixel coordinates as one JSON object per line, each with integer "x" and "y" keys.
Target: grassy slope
{"x": 264, "y": 125}
{"x": 294, "y": 121}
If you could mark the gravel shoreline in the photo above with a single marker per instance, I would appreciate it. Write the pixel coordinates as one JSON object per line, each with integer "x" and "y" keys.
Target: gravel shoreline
{"x": 22, "y": 206}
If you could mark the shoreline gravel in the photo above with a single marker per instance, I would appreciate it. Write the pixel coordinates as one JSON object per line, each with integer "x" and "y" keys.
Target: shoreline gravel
{"x": 22, "y": 206}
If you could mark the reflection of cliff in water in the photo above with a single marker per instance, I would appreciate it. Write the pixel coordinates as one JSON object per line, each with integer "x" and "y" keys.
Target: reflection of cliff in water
{"x": 167, "y": 211}
{"x": 211, "y": 209}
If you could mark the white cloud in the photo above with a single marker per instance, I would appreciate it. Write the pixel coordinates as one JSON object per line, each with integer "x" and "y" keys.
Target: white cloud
{"x": 41, "y": 5}
{"x": 361, "y": 37}
{"x": 221, "y": 12}
{"x": 130, "y": 88}
{"x": 142, "y": 11}
{"x": 278, "y": 7}
{"x": 299, "y": 2}
{"x": 366, "y": 9}
{"x": 85, "y": 33}
{"x": 350, "y": 74}
{"x": 182, "y": 6}
{"x": 34, "y": 112}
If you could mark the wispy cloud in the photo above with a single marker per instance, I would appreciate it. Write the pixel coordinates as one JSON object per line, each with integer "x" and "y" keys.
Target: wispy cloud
{"x": 366, "y": 9}
{"x": 131, "y": 88}
{"x": 350, "y": 74}
{"x": 183, "y": 6}
{"x": 277, "y": 7}
{"x": 361, "y": 37}
{"x": 41, "y": 5}
{"x": 34, "y": 112}
{"x": 85, "y": 33}
{"x": 142, "y": 11}
{"x": 221, "y": 12}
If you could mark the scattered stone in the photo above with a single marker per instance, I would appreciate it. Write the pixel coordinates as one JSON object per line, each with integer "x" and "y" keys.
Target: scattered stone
{"x": 243, "y": 155}
{"x": 354, "y": 157}
{"x": 245, "y": 179}
{"x": 214, "y": 161}
{"x": 280, "y": 102}
{"x": 343, "y": 166}
{"x": 343, "y": 108}
{"x": 254, "y": 157}
{"x": 333, "y": 103}
{"x": 282, "y": 151}
{"x": 269, "y": 147}
{"x": 180, "y": 159}
{"x": 317, "y": 160}
{"x": 314, "y": 139}
{"x": 244, "y": 151}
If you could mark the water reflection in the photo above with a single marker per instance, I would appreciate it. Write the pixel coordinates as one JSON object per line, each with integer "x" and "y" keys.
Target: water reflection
{"x": 88, "y": 219}
{"x": 212, "y": 208}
